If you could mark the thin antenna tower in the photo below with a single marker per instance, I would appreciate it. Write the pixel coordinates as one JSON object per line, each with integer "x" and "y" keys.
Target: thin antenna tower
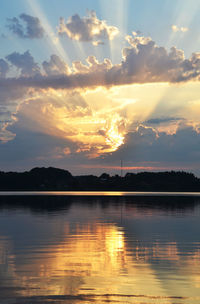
{"x": 121, "y": 168}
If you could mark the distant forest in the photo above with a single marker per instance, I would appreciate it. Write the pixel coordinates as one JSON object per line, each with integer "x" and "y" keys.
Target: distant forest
{"x": 49, "y": 179}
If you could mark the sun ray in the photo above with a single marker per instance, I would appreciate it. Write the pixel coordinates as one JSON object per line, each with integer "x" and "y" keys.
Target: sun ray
{"x": 80, "y": 49}
{"x": 183, "y": 19}
{"x": 53, "y": 39}
{"x": 116, "y": 10}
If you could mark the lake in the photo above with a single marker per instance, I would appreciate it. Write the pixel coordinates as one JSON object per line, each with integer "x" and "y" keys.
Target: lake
{"x": 99, "y": 249}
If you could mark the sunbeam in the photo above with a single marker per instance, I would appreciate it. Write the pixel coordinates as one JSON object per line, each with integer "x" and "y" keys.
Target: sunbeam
{"x": 100, "y": 80}
{"x": 116, "y": 11}
{"x": 52, "y": 39}
{"x": 183, "y": 19}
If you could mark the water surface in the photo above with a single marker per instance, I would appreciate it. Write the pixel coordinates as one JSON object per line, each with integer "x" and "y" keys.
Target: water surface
{"x": 97, "y": 193}
{"x": 99, "y": 250}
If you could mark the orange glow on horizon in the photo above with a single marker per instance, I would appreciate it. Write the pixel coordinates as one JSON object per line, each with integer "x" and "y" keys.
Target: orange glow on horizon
{"x": 127, "y": 168}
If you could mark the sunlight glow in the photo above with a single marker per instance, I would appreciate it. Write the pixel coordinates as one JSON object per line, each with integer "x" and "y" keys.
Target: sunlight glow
{"x": 113, "y": 135}
{"x": 98, "y": 128}
{"x": 90, "y": 257}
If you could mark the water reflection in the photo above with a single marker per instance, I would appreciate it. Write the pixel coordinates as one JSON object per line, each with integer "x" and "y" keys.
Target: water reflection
{"x": 51, "y": 204}
{"x": 92, "y": 254}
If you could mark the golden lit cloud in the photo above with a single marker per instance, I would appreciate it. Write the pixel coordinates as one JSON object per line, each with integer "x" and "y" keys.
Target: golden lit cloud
{"x": 88, "y": 28}
{"x": 96, "y": 105}
{"x": 176, "y": 29}
{"x": 98, "y": 120}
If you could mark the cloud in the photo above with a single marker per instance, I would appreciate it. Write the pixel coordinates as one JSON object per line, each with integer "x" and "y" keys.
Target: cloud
{"x": 55, "y": 66}
{"x": 143, "y": 147}
{"x": 10, "y": 101}
{"x": 29, "y": 149}
{"x": 49, "y": 89}
{"x": 25, "y": 63}
{"x": 157, "y": 121}
{"x": 4, "y": 68}
{"x": 146, "y": 145}
{"x": 142, "y": 62}
{"x": 12, "y": 96}
{"x": 31, "y": 29}
{"x": 176, "y": 29}
{"x": 88, "y": 28}
{"x": 3, "y": 36}
{"x": 68, "y": 115}
{"x": 96, "y": 43}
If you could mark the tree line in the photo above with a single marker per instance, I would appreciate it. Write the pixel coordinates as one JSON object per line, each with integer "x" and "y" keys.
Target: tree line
{"x": 54, "y": 179}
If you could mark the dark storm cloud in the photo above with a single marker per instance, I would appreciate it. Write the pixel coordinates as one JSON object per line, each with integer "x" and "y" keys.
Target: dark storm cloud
{"x": 30, "y": 28}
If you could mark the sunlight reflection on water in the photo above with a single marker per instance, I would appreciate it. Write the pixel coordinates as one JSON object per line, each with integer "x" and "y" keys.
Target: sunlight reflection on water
{"x": 100, "y": 251}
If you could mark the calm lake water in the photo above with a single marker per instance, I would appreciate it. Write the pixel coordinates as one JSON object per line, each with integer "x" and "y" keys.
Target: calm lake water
{"x": 123, "y": 249}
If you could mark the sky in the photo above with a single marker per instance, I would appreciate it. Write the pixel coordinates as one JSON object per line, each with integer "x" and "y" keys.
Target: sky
{"x": 86, "y": 84}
